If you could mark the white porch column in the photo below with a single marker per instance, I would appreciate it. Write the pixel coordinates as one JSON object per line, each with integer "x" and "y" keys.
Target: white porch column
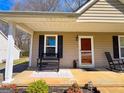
{"x": 9, "y": 60}
{"x": 30, "y": 52}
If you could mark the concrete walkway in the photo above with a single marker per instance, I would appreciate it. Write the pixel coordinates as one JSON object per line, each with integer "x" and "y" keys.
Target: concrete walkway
{"x": 106, "y": 81}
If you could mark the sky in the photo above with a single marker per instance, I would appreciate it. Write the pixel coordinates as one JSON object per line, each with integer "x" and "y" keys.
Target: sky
{"x": 6, "y": 4}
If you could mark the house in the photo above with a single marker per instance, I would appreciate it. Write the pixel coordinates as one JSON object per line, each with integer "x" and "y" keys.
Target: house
{"x": 84, "y": 35}
{"x": 3, "y": 48}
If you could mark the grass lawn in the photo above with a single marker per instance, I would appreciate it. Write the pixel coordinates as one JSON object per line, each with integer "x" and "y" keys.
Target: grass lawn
{"x": 16, "y": 62}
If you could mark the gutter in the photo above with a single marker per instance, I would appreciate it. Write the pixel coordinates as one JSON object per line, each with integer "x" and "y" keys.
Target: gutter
{"x": 37, "y": 14}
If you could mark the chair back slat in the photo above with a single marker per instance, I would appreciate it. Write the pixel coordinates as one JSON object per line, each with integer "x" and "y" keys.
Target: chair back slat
{"x": 108, "y": 56}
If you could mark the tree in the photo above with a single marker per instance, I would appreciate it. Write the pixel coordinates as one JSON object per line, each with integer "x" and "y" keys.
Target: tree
{"x": 4, "y": 27}
{"x": 49, "y": 5}
{"x": 35, "y": 5}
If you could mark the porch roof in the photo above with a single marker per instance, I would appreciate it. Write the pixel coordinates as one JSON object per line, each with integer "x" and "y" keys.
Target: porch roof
{"x": 58, "y": 22}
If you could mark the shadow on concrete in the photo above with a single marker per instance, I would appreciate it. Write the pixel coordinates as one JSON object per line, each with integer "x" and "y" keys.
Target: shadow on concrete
{"x": 16, "y": 69}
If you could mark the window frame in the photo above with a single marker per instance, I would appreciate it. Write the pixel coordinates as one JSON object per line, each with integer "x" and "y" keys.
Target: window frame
{"x": 119, "y": 44}
{"x": 56, "y": 43}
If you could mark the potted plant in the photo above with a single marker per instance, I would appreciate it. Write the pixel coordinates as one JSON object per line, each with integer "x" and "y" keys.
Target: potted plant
{"x": 74, "y": 89}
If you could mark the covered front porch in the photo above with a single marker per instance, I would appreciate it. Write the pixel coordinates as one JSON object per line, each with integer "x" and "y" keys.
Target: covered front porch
{"x": 75, "y": 45}
{"x": 65, "y": 24}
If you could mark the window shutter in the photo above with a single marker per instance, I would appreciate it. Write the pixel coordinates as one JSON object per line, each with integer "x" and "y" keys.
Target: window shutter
{"x": 60, "y": 46}
{"x": 115, "y": 47}
{"x": 41, "y": 45}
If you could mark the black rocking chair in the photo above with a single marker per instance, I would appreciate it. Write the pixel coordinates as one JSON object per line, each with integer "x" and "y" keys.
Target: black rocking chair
{"x": 48, "y": 61}
{"x": 114, "y": 64}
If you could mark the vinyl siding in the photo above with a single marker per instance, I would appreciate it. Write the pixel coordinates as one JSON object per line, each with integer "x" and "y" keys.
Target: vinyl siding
{"x": 102, "y": 43}
{"x": 3, "y": 49}
{"x": 104, "y": 11}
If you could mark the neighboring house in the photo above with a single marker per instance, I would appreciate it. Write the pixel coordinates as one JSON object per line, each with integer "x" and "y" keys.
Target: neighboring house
{"x": 84, "y": 35}
{"x": 3, "y": 48}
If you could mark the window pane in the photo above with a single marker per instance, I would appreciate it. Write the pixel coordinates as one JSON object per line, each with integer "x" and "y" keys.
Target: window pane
{"x": 122, "y": 41}
{"x": 51, "y": 41}
{"x": 50, "y": 49}
{"x": 85, "y": 44}
{"x": 122, "y": 52}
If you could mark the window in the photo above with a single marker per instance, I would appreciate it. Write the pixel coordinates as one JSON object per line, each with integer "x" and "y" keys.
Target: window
{"x": 121, "y": 47}
{"x": 50, "y": 46}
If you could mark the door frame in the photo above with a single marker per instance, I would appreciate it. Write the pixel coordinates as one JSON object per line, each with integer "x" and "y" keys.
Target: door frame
{"x": 92, "y": 50}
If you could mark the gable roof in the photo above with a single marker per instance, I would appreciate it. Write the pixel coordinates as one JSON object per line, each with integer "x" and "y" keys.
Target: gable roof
{"x": 102, "y": 11}
{"x": 122, "y": 1}
{"x": 7, "y": 39}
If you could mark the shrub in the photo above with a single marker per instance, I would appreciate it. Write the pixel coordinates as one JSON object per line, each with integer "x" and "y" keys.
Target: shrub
{"x": 9, "y": 86}
{"x": 37, "y": 87}
{"x": 24, "y": 53}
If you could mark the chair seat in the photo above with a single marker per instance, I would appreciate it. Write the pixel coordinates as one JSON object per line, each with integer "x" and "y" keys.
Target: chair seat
{"x": 50, "y": 58}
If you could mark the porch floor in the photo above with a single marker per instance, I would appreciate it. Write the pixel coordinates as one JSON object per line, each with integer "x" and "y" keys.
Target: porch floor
{"x": 106, "y": 81}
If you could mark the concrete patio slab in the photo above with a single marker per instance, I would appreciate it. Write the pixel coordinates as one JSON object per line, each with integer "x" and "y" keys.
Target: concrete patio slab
{"x": 106, "y": 81}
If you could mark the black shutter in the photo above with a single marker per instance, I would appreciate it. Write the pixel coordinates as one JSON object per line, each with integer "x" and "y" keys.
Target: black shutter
{"x": 115, "y": 47}
{"x": 60, "y": 46}
{"x": 41, "y": 45}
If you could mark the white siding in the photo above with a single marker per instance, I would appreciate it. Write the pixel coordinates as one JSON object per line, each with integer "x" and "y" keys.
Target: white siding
{"x": 102, "y": 43}
{"x": 3, "y": 49}
{"x": 104, "y": 11}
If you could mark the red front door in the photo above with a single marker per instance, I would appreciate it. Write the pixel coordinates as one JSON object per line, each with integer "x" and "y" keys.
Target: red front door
{"x": 86, "y": 50}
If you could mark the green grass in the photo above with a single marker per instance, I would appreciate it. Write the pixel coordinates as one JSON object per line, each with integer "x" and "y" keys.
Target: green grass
{"x": 21, "y": 60}
{"x": 16, "y": 62}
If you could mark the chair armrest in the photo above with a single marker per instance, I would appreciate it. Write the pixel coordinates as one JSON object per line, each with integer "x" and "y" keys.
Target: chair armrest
{"x": 121, "y": 61}
{"x": 116, "y": 59}
{"x": 38, "y": 60}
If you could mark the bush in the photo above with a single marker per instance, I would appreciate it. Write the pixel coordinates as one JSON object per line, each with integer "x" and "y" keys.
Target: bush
{"x": 37, "y": 87}
{"x": 10, "y": 86}
{"x": 24, "y": 53}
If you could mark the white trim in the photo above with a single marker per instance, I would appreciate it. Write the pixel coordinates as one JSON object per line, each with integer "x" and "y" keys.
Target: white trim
{"x": 86, "y": 6}
{"x": 56, "y": 46}
{"x": 92, "y": 50}
{"x": 9, "y": 60}
{"x": 30, "y": 53}
{"x": 119, "y": 45}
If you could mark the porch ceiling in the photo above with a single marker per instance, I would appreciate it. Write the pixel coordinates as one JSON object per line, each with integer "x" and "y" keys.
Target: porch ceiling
{"x": 59, "y": 22}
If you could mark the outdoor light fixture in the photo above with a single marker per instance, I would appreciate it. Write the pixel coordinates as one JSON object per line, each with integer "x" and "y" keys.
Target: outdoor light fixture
{"x": 77, "y": 38}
